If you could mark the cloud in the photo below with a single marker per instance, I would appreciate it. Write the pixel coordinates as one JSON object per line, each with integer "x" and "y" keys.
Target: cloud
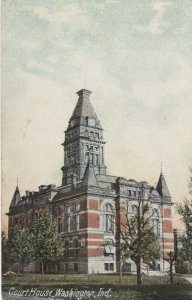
{"x": 60, "y": 15}
{"x": 157, "y": 25}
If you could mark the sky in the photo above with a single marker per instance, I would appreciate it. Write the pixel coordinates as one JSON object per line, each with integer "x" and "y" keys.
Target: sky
{"x": 136, "y": 58}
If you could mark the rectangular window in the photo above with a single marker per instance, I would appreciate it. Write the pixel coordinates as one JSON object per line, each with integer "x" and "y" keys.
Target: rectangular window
{"x": 68, "y": 222}
{"x": 111, "y": 267}
{"x": 96, "y": 159}
{"x": 77, "y": 207}
{"x": 75, "y": 267}
{"x": 96, "y": 135}
{"x": 76, "y": 245}
{"x": 106, "y": 267}
{"x": 59, "y": 225}
{"x": 135, "y": 194}
{"x": 66, "y": 253}
{"x": 68, "y": 210}
{"x": 129, "y": 193}
{"x": 66, "y": 268}
{"x": 108, "y": 223}
{"x": 76, "y": 222}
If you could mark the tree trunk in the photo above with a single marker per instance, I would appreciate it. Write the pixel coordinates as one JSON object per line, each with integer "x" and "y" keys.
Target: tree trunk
{"x": 120, "y": 273}
{"x": 42, "y": 268}
{"x": 138, "y": 264}
{"x": 171, "y": 272}
{"x": 36, "y": 267}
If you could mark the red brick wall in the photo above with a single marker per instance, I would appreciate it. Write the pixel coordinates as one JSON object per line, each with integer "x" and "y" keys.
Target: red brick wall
{"x": 93, "y": 204}
{"x": 95, "y": 252}
{"x": 167, "y": 226}
{"x": 95, "y": 236}
{"x": 168, "y": 247}
{"x": 93, "y": 220}
{"x": 167, "y": 212}
{"x": 95, "y": 243}
{"x": 123, "y": 220}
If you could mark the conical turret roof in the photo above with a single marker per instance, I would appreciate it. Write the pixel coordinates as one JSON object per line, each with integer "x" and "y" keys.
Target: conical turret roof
{"x": 89, "y": 178}
{"x": 16, "y": 197}
{"x": 162, "y": 187}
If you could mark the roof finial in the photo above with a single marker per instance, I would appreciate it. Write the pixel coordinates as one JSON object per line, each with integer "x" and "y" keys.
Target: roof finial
{"x": 161, "y": 168}
{"x": 17, "y": 181}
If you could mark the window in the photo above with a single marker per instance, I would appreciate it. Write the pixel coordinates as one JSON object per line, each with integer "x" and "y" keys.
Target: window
{"x": 92, "y": 158}
{"x": 129, "y": 193}
{"x": 76, "y": 222}
{"x": 155, "y": 221}
{"x": 35, "y": 216}
{"x": 108, "y": 218}
{"x": 68, "y": 222}
{"x": 66, "y": 246}
{"x": 96, "y": 159}
{"x": 68, "y": 210}
{"x": 66, "y": 268}
{"x": 109, "y": 267}
{"x": 106, "y": 267}
{"x": 76, "y": 246}
{"x": 135, "y": 194}
{"x": 75, "y": 267}
{"x": 134, "y": 209}
{"x": 91, "y": 134}
{"x": 96, "y": 135}
{"x": 77, "y": 207}
{"x": 59, "y": 225}
{"x": 76, "y": 216}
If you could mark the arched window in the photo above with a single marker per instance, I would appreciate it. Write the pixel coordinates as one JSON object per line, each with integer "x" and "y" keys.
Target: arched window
{"x": 155, "y": 221}
{"x": 134, "y": 209}
{"x": 108, "y": 218}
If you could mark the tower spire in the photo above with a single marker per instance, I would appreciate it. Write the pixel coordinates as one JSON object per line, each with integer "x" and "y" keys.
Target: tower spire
{"x": 162, "y": 187}
{"x": 83, "y": 140}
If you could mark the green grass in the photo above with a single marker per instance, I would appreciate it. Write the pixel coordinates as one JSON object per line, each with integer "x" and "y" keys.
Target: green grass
{"x": 93, "y": 279}
{"x": 151, "y": 288}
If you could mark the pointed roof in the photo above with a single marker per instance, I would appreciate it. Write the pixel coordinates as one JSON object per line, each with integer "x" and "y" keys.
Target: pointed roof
{"x": 162, "y": 187}
{"x": 84, "y": 107}
{"x": 89, "y": 178}
{"x": 16, "y": 197}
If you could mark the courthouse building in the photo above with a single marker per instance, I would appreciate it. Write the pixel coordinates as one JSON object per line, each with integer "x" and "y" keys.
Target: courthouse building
{"x": 89, "y": 199}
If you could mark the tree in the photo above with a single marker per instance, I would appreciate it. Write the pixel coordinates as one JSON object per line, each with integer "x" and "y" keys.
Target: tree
{"x": 184, "y": 209}
{"x": 171, "y": 258}
{"x": 47, "y": 245}
{"x": 4, "y": 249}
{"x": 139, "y": 242}
{"x": 19, "y": 246}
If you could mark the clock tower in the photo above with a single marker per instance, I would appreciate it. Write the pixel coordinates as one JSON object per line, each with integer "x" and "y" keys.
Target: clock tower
{"x": 83, "y": 141}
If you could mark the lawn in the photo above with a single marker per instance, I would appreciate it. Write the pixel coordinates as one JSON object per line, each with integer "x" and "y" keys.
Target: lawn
{"x": 102, "y": 286}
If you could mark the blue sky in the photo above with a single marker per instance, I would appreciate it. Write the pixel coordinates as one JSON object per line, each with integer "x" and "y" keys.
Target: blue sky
{"x": 136, "y": 58}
